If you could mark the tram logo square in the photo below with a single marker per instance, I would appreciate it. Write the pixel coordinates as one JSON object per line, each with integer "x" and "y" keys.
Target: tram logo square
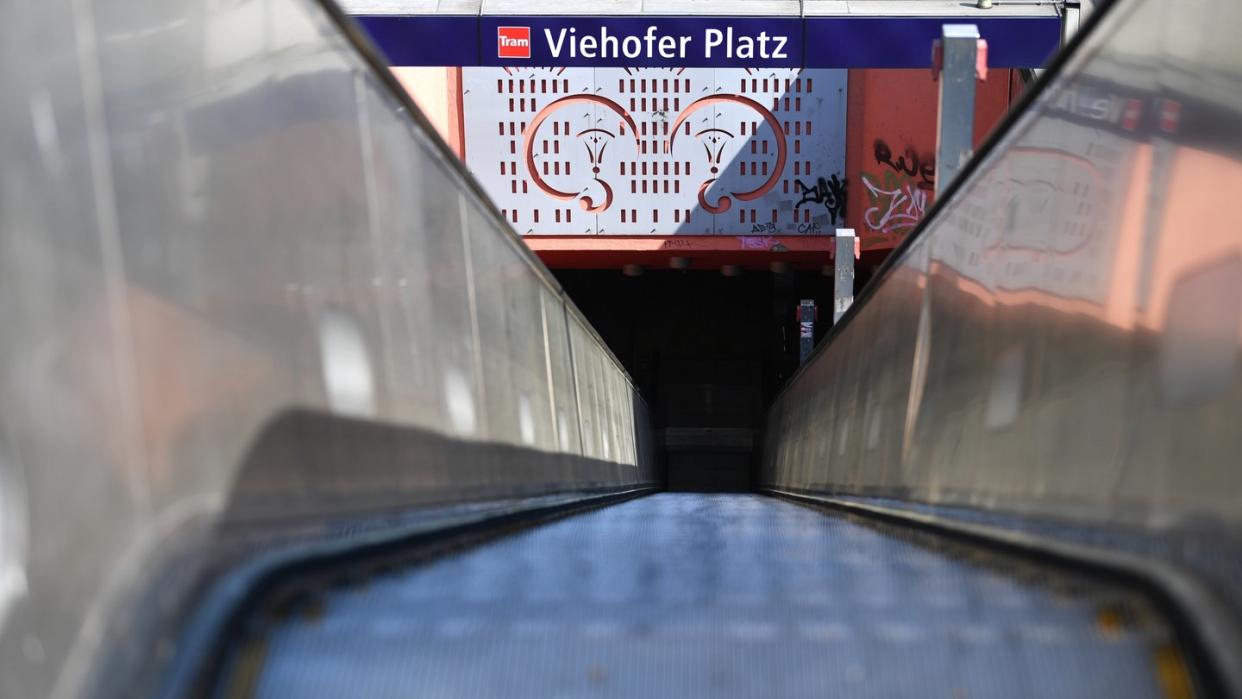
{"x": 513, "y": 42}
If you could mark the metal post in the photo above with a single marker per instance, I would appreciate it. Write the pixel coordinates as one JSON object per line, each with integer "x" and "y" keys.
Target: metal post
{"x": 958, "y": 53}
{"x": 806, "y": 329}
{"x": 1071, "y": 18}
{"x": 843, "y": 291}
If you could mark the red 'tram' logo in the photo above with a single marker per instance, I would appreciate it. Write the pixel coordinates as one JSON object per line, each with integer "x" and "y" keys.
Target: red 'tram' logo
{"x": 513, "y": 42}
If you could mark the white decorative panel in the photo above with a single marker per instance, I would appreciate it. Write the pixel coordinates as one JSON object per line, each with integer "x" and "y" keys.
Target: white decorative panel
{"x": 659, "y": 151}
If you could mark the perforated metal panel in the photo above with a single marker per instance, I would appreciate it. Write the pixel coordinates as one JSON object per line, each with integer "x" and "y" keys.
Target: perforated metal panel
{"x": 618, "y": 151}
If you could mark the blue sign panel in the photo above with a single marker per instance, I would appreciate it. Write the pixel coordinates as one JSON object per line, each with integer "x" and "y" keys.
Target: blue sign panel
{"x": 690, "y": 42}
{"x": 905, "y": 42}
{"x": 619, "y": 42}
{"x": 425, "y": 41}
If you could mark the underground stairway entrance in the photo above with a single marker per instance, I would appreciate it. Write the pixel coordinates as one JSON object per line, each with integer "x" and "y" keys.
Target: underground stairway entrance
{"x": 717, "y": 592}
{"x": 709, "y": 352}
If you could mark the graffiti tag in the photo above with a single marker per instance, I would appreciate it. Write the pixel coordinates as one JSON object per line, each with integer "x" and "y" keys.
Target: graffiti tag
{"x": 910, "y": 163}
{"x": 895, "y": 203}
{"x": 831, "y": 193}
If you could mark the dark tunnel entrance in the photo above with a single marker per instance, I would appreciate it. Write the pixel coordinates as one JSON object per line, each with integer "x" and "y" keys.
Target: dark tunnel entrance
{"x": 709, "y": 352}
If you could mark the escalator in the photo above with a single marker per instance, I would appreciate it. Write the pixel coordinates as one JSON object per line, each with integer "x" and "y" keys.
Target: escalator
{"x": 288, "y": 410}
{"x": 729, "y": 595}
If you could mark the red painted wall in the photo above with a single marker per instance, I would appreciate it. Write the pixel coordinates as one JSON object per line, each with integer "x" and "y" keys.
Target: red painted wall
{"x": 891, "y": 142}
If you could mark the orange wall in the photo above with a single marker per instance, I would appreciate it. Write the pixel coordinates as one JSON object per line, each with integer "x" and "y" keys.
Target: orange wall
{"x": 891, "y": 133}
{"x": 437, "y": 92}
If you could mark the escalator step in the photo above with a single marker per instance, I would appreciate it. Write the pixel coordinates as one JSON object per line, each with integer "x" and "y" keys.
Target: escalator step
{"x": 681, "y": 594}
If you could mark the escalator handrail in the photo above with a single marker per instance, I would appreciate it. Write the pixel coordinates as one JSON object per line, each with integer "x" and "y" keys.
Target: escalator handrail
{"x": 1017, "y": 111}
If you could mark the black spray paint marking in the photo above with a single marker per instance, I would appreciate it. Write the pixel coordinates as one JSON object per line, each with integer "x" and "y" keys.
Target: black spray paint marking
{"x": 910, "y": 162}
{"x": 831, "y": 193}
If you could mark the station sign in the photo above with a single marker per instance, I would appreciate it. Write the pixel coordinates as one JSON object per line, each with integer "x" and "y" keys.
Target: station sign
{"x": 698, "y": 41}
{"x": 643, "y": 41}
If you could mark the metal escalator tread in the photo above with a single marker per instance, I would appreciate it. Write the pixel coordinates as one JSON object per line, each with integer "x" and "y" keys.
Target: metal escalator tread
{"x": 719, "y": 595}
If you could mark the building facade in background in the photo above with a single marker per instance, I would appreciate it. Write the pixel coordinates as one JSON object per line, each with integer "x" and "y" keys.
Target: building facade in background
{"x": 795, "y": 152}
{"x": 720, "y": 158}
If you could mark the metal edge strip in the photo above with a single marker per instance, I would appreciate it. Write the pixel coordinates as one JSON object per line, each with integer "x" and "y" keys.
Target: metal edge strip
{"x": 1195, "y": 606}
{"x": 1023, "y": 9}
